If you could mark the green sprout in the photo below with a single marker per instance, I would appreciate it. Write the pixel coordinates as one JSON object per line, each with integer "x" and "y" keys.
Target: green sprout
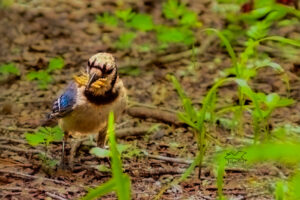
{"x": 107, "y": 19}
{"x": 175, "y": 10}
{"x": 142, "y": 22}
{"x": 120, "y": 182}
{"x": 45, "y": 136}
{"x": 125, "y": 40}
{"x": 9, "y": 68}
{"x": 125, "y": 15}
{"x": 168, "y": 35}
{"x": 43, "y": 77}
{"x": 282, "y": 152}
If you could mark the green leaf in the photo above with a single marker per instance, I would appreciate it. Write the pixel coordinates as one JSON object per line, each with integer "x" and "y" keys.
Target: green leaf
{"x": 227, "y": 45}
{"x": 55, "y": 63}
{"x": 256, "y": 14}
{"x": 282, "y": 40}
{"x": 190, "y": 18}
{"x": 125, "y": 15}
{"x": 35, "y": 139}
{"x": 259, "y": 30}
{"x": 285, "y": 102}
{"x": 125, "y": 40}
{"x": 172, "y": 9}
{"x": 122, "y": 181}
{"x": 175, "y": 35}
{"x": 44, "y": 135}
{"x": 9, "y": 68}
{"x": 43, "y": 78}
{"x": 142, "y": 22}
{"x": 103, "y": 168}
{"x": 272, "y": 100}
{"x": 268, "y": 63}
{"x": 107, "y": 19}
{"x": 58, "y": 134}
{"x": 279, "y": 190}
{"x": 122, "y": 147}
{"x": 101, "y": 190}
{"x": 99, "y": 152}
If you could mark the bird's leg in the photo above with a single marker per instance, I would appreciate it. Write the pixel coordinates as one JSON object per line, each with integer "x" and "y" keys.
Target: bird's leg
{"x": 63, "y": 153}
{"x": 75, "y": 144}
{"x": 101, "y": 137}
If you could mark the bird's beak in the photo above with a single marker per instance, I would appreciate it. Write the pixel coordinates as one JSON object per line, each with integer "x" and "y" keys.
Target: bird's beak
{"x": 92, "y": 79}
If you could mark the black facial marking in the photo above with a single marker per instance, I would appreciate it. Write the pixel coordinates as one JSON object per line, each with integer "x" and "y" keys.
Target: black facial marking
{"x": 109, "y": 71}
{"x": 106, "y": 98}
{"x": 103, "y": 67}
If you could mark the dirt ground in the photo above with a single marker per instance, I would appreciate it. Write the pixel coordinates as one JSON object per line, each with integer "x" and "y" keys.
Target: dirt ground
{"x": 34, "y": 32}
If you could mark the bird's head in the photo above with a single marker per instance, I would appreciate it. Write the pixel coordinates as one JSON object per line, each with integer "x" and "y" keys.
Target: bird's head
{"x": 101, "y": 73}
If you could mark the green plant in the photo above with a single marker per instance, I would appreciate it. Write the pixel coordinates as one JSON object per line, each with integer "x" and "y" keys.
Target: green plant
{"x": 263, "y": 15}
{"x": 282, "y": 152}
{"x": 125, "y": 15}
{"x": 9, "y": 68}
{"x": 175, "y": 10}
{"x": 44, "y": 136}
{"x": 244, "y": 67}
{"x": 125, "y": 40}
{"x": 169, "y": 35}
{"x": 264, "y": 105}
{"x": 142, "y": 22}
{"x": 43, "y": 77}
{"x": 107, "y": 19}
{"x": 120, "y": 182}
{"x": 104, "y": 153}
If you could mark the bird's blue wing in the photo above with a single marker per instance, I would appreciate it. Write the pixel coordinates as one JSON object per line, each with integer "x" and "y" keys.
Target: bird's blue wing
{"x": 65, "y": 103}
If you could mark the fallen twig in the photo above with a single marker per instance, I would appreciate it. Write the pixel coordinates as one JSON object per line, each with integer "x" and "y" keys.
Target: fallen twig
{"x": 54, "y": 196}
{"x": 137, "y": 131}
{"x": 169, "y": 159}
{"x": 159, "y": 115}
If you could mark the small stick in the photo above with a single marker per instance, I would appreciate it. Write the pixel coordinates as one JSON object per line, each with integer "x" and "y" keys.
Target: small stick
{"x": 169, "y": 159}
{"x": 159, "y": 115}
{"x": 137, "y": 131}
{"x": 54, "y": 196}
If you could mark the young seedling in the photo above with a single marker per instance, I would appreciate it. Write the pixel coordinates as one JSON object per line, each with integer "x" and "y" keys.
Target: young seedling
{"x": 120, "y": 182}
{"x": 107, "y": 19}
{"x": 44, "y": 136}
{"x": 10, "y": 68}
{"x": 259, "y": 17}
{"x": 125, "y": 40}
{"x": 125, "y": 15}
{"x": 282, "y": 152}
{"x": 177, "y": 11}
{"x": 43, "y": 77}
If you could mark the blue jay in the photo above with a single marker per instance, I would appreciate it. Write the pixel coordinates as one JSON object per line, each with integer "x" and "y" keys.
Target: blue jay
{"x": 84, "y": 106}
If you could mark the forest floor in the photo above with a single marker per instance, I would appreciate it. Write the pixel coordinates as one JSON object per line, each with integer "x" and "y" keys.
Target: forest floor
{"x": 34, "y": 32}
